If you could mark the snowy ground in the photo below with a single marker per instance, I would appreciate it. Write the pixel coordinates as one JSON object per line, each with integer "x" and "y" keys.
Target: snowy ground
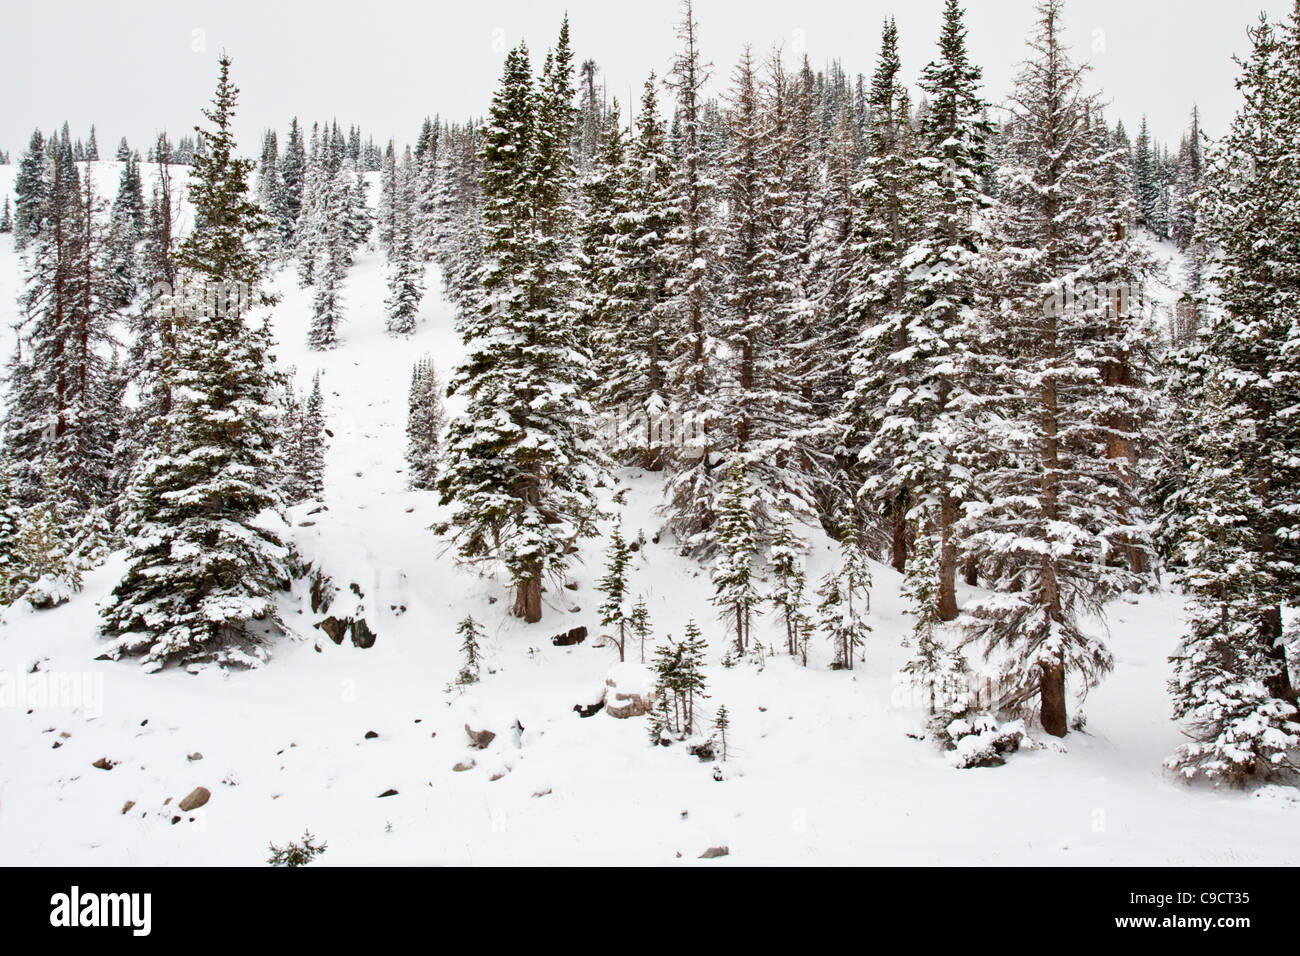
{"x": 821, "y": 769}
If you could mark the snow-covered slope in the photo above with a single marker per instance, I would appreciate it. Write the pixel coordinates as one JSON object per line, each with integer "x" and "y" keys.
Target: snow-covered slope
{"x": 820, "y": 767}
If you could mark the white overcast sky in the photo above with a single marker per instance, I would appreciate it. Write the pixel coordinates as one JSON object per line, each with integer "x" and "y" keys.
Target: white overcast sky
{"x": 134, "y": 68}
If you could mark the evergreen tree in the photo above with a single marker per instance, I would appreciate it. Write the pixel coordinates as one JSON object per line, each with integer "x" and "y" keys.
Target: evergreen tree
{"x": 1249, "y": 204}
{"x": 788, "y": 596}
{"x": 201, "y": 571}
{"x": 60, "y": 412}
{"x": 934, "y": 667}
{"x": 679, "y": 684}
{"x": 613, "y": 611}
{"x": 424, "y": 425}
{"x": 888, "y": 220}
{"x": 639, "y": 623}
{"x": 31, "y": 191}
{"x": 406, "y": 280}
{"x": 845, "y": 599}
{"x": 633, "y": 338}
{"x": 522, "y": 456}
{"x": 692, "y": 284}
{"x": 1060, "y": 513}
{"x": 471, "y": 639}
{"x": 1226, "y": 672}
{"x": 734, "y": 592}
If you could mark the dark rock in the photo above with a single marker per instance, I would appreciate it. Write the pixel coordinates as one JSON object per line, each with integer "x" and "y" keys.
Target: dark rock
{"x": 103, "y": 763}
{"x": 574, "y": 635}
{"x": 713, "y": 852}
{"x": 322, "y": 592}
{"x": 127, "y": 806}
{"x": 194, "y": 756}
{"x": 464, "y": 765}
{"x": 335, "y": 627}
{"x": 480, "y": 738}
{"x": 371, "y": 735}
{"x": 362, "y": 636}
{"x": 589, "y": 710}
{"x": 388, "y": 793}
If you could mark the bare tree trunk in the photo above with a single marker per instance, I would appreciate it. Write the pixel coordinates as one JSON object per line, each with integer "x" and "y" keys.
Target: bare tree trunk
{"x": 1051, "y": 692}
{"x": 972, "y": 571}
{"x": 528, "y": 599}
{"x": 947, "y": 560}
{"x": 898, "y": 514}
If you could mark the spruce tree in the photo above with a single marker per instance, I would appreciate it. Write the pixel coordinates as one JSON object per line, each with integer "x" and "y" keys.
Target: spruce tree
{"x": 845, "y": 597}
{"x": 406, "y": 280}
{"x": 522, "y": 457}
{"x": 424, "y": 425}
{"x": 1059, "y": 512}
{"x": 788, "y": 595}
{"x": 1226, "y": 674}
{"x": 734, "y": 592}
{"x": 691, "y": 489}
{"x": 935, "y": 667}
{"x": 202, "y": 571}
{"x": 471, "y": 643}
{"x": 614, "y": 586}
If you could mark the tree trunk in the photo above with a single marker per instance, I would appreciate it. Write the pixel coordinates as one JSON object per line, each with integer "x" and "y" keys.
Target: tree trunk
{"x": 1279, "y": 684}
{"x": 1051, "y": 692}
{"x": 898, "y": 513}
{"x": 947, "y": 560}
{"x": 972, "y": 571}
{"x": 528, "y": 599}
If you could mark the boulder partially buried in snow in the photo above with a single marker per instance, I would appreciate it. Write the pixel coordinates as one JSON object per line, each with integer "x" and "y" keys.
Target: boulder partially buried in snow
{"x": 629, "y": 690}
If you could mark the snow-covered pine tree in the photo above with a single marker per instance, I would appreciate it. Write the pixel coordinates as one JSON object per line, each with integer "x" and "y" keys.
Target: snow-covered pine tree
{"x": 293, "y": 171}
{"x": 845, "y": 597}
{"x": 406, "y": 278}
{"x": 679, "y": 684}
{"x": 762, "y": 415}
{"x": 734, "y": 591}
{"x": 614, "y": 586}
{"x": 1226, "y": 671}
{"x": 424, "y": 424}
{"x": 390, "y": 205}
{"x": 1059, "y": 515}
{"x": 201, "y": 571}
{"x": 1187, "y": 184}
{"x": 944, "y": 292}
{"x": 1250, "y": 204}
{"x": 471, "y": 648}
{"x": 935, "y": 667}
{"x": 61, "y": 412}
{"x": 522, "y": 458}
{"x": 605, "y": 216}
{"x": 330, "y": 270}
{"x": 692, "y": 284}
{"x": 790, "y": 583}
{"x": 31, "y": 191}
{"x": 357, "y": 218}
{"x": 268, "y": 187}
{"x": 639, "y": 623}
{"x": 888, "y": 219}
{"x": 634, "y": 352}
{"x": 1146, "y": 181}
{"x": 308, "y": 457}
{"x": 125, "y": 230}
